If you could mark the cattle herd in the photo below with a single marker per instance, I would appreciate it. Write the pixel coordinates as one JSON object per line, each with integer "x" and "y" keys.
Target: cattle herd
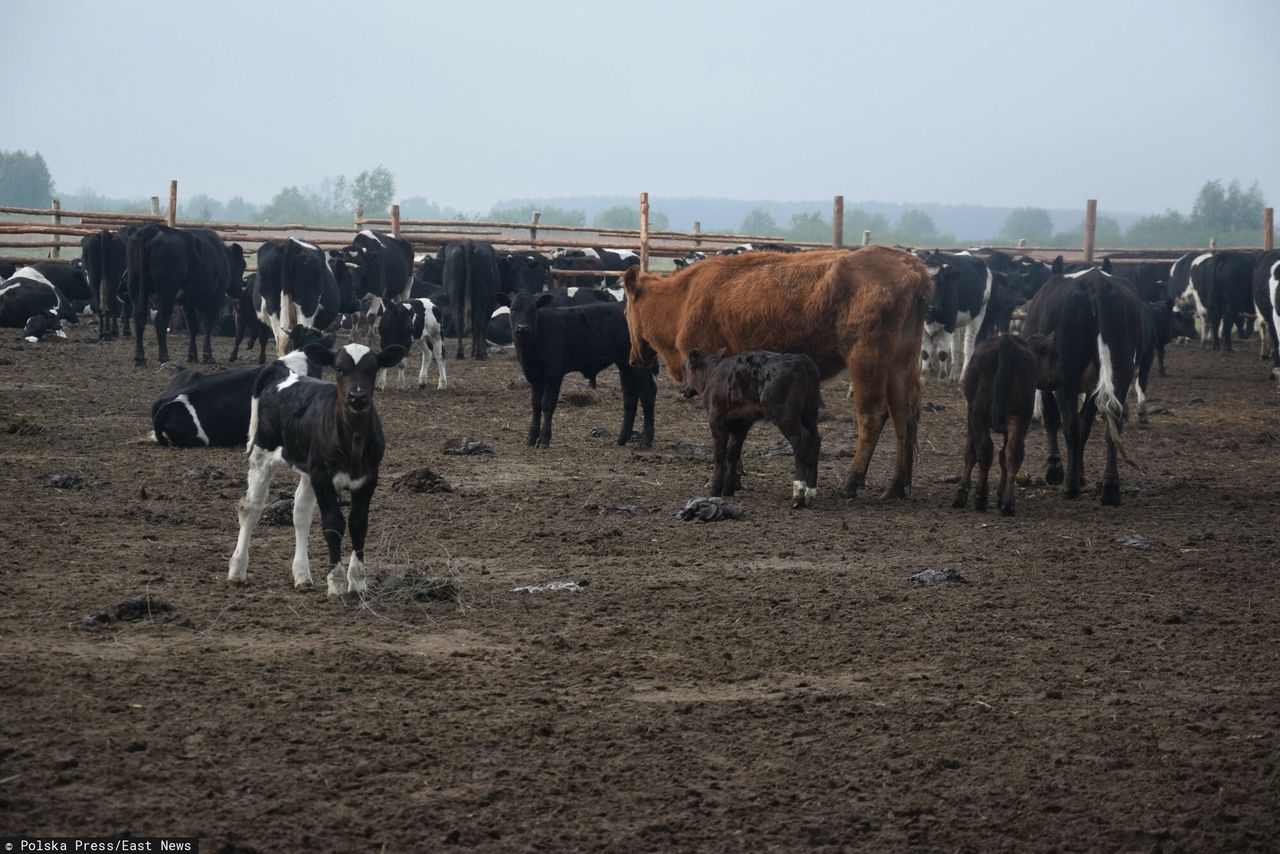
{"x": 753, "y": 330}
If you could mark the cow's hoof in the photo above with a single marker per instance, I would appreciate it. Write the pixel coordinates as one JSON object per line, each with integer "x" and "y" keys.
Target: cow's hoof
{"x": 139, "y": 363}
{"x": 1111, "y": 495}
{"x": 304, "y": 586}
{"x": 1053, "y": 474}
{"x": 1007, "y": 510}
{"x": 1072, "y": 492}
{"x": 961, "y": 499}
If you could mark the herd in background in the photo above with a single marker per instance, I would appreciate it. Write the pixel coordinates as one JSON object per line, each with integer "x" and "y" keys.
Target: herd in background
{"x": 754, "y": 330}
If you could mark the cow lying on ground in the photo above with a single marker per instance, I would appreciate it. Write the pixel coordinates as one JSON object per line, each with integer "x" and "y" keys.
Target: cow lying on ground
{"x": 30, "y": 302}
{"x": 1096, "y": 322}
{"x": 859, "y": 311}
{"x": 415, "y": 323}
{"x": 551, "y": 342}
{"x": 331, "y": 434}
{"x": 1000, "y": 389}
{"x": 737, "y": 391}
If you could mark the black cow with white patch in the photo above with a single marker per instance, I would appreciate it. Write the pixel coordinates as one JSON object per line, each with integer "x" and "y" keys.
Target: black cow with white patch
{"x": 471, "y": 279}
{"x": 192, "y": 267}
{"x": 1266, "y": 294}
{"x": 1188, "y": 287}
{"x": 689, "y": 258}
{"x": 739, "y": 390}
{"x": 105, "y": 256}
{"x": 296, "y": 287}
{"x": 331, "y": 434}
{"x": 30, "y": 302}
{"x": 551, "y": 342}
{"x": 1230, "y": 278}
{"x": 962, "y": 289}
{"x": 212, "y": 410}
{"x": 1096, "y": 322}
{"x": 382, "y": 269}
{"x": 68, "y": 277}
{"x": 415, "y": 323}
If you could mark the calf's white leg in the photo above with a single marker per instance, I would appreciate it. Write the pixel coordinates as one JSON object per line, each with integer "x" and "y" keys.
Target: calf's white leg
{"x": 304, "y": 510}
{"x": 262, "y": 465}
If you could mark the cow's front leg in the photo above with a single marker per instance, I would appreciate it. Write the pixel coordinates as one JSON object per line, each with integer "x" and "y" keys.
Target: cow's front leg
{"x": 261, "y": 467}
{"x": 550, "y": 397}
{"x": 304, "y": 510}
{"x": 535, "y": 395}
{"x": 1053, "y": 474}
{"x": 333, "y": 525}
{"x": 357, "y": 578}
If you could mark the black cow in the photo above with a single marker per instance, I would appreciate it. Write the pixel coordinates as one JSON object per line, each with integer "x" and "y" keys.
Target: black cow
{"x": 1230, "y": 280}
{"x": 1266, "y": 293}
{"x": 551, "y": 342}
{"x": 499, "y": 329}
{"x": 1149, "y": 278}
{"x": 7, "y": 269}
{"x": 471, "y": 279}
{"x": 330, "y": 433}
{"x": 1096, "y": 322}
{"x": 1000, "y": 390}
{"x": 30, "y": 302}
{"x": 191, "y": 266}
{"x": 739, "y": 390}
{"x": 105, "y": 256}
{"x": 248, "y": 322}
{"x": 575, "y": 263}
{"x": 212, "y": 410}
{"x": 962, "y": 289}
{"x": 428, "y": 279}
{"x": 296, "y": 287}
{"x": 523, "y": 272}
{"x": 382, "y": 266}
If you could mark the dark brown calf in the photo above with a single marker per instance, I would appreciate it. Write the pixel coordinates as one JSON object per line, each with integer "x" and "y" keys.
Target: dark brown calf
{"x": 737, "y": 391}
{"x": 1000, "y": 385}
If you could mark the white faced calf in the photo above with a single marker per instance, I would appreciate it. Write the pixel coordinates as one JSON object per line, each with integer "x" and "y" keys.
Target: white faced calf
{"x": 329, "y": 433}
{"x": 410, "y": 324}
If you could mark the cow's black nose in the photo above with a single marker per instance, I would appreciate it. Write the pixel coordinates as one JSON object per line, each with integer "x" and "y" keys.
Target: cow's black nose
{"x": 522, "y": 330}
{"x": 358, "y": 400}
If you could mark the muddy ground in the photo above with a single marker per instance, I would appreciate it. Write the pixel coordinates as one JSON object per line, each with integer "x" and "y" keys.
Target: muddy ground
{"x": 773, "y": 682}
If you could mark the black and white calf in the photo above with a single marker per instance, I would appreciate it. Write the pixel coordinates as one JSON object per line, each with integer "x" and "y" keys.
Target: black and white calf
{"x": 551, "y": 342}
{"x": 415, "y": 323}
{"x": 30, "y": 302}
{"x": 330, "y": 434}
{"x": 962, "y": 289}
{"x": 212, "y": 410}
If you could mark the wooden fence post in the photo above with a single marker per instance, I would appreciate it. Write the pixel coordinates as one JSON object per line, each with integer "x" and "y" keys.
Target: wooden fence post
{"x": 155, "y": 206}
{"x": 395, "y": 220}
{"x": 172, "y": 217}
{"x": 1213, "y": 243}
{"x": 697, "y": 229}
{"x": 644, "y": 232}
{"x": 359, "y": 215}
{"x": 1090, "y": 228}
{"x": 837, "y": 223}
{"x": 1268, "y": 228}
{"x": 56, "y": 219}
{"x": 866, "y": 237}
{"x": 533, "y": 227}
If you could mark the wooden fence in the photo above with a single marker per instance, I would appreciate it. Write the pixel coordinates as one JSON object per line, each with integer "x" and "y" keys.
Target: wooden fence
{"x": 430, "y": 235}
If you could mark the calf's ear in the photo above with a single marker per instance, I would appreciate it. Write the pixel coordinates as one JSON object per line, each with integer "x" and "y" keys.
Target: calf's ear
{"x": 319, "y": 354}
{"x": 389, "y": 357}
{"x": 543, "y": 300}
{"x": 631, "y": 281}
{"x": 502, "y": 298}
{"x": 1058, "y": 267}
{"x": 1106, "y": 266}
{"x": 694, "y": 359}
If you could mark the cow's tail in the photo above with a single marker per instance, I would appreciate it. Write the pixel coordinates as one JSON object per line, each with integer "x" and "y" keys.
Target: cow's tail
{"x": 136, "y": 275}
{"x": 470, "y": 292}
{"x": 1005, "y": 358}
{"x": 258, "y": 385}
{"x": 288, "y": 305}
{"x": 104, "y": 259}
{"x": 915, "y": 376}
{"x": 1109, "y": 399}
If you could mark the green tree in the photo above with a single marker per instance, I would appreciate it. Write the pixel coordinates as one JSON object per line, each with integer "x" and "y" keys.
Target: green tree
{"x": 809, "y": 227}
{"x": 760, "y": 221}
{"x": 1218, "y": 211}
{"x": 914, "y": 225}
{"x": 624, "y": 216}
{"x": 374, "y": 189}
{"x": 25, "y": 180}
{"x": 1034, "y": 224}
{"x": 857, "y": 220}
{"x": 201, "y": 207}
{"x": 290, "y": 205}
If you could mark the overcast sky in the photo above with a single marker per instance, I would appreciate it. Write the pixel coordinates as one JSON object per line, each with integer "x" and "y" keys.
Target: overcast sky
{"x": 996, "y": 103}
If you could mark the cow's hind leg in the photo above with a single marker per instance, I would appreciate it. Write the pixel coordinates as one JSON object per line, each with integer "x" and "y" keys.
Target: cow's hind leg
{"x": 262, "y": 465}
{"x": 630, "y": 401}
{"x": 986, "y": 451}
{"x": 903, "y": 393}
{"x": 304, "y": 511}
{"x": 737, "y": 436}
{"x": 966, "y": 471}
{"x": 1015, "y": 446}
{"x": 1053, "y": 474}
{"x": 869, "y": 402}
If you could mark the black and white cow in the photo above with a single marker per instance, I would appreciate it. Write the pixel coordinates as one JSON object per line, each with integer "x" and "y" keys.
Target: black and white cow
{"x": 296, "y": 287}
{"x": 188, "y": 266}
{"x": 331, "y": 434}
{"x": 30, "y": 302}
{"x": 68, "y": 277}
{"x": 689, "y": 258}
{"x": 551, "y": 342}
{"x": 1095, "y": 319}
{"x": 1266, "y": 300}
{"x": 962, "y": 289}
{"x": 415, "y": 323}
{"x": 382, "y": 269}
{"x": 105, "y": 256}
{"x": 212, "y": 410}
{"x": 1230, "y": 277}
{"x": 471, "y": 279}
{"x": 1189, "y": 288}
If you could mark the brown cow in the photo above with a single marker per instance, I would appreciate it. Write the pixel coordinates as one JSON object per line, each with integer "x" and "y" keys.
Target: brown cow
{"x": 862, "y": 311}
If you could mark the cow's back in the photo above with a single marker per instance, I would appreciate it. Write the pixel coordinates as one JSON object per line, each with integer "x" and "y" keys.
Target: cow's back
{"x": 818, "y": 303}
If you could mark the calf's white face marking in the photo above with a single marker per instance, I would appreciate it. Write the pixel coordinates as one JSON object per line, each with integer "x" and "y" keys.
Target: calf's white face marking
{"x": 356, "y": 352}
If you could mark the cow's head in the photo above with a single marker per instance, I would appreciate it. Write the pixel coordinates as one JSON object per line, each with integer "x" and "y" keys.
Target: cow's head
{"x": 697, "y": 366}
{"x": 642, "y": 353}
{"x": 396, "y": 325}
{"x": 356, "y": 367}
{"x": 524, "y": 313}
{"x": 301, "y": 336}
{"x": 363, "y": 258}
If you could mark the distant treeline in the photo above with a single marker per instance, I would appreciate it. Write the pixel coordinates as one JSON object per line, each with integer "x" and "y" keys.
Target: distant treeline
{"x": 1229, "y": 213}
